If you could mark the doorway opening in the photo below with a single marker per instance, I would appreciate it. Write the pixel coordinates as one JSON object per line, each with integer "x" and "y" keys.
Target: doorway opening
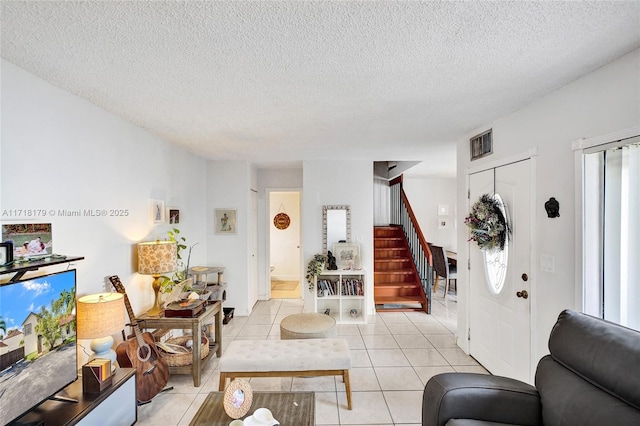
{"x": 284, "y": 245}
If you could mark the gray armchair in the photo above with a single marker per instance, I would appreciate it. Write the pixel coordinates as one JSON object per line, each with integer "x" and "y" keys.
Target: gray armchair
{"x": 591, "y": 377}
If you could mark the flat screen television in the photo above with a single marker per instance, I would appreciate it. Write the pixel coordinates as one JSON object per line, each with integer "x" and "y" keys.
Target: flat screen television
{"x": 38, "y": 346}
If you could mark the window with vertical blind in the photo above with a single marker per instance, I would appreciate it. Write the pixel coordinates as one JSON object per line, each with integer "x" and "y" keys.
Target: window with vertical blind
{"x": 611, "y": 219}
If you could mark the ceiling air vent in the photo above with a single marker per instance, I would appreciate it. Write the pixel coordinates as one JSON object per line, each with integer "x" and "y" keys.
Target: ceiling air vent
{"x": 481, "y": 145}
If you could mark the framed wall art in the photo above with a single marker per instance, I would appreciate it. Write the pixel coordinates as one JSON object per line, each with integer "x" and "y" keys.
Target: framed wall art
{"x": 157, "y": 211}
{"x": 225, "y": 221}
{"x": 345, "y": 254}
{"x": 173, "y": 215}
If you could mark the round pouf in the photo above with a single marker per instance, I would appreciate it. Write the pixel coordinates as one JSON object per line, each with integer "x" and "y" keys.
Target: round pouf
{"x": 307, "y": 326}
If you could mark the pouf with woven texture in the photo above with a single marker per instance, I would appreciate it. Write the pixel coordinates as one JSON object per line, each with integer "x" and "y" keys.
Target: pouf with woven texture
{"x": 307, "y": 326}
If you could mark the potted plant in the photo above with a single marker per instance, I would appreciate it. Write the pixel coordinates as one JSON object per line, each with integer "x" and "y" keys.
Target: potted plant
{"x": 166, "y": 286}
{"x": 314, "y": 268}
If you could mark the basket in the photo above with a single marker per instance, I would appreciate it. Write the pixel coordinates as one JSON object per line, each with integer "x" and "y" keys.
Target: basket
{"x": 177, "y": 360}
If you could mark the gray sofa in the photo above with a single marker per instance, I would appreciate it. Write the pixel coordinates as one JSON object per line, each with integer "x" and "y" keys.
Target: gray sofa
{"x": 591, "y": 377}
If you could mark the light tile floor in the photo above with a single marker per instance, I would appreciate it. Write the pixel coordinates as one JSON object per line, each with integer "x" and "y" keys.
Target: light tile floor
{"x": 392, "y": 359}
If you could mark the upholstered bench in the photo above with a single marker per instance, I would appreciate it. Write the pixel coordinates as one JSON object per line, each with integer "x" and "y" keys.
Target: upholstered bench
{"x": 307, "y": 326}
{"x": 287, "y": 358}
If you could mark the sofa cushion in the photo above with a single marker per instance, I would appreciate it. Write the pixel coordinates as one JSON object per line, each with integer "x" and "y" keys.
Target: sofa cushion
{"x": 602, "y": 353}
{"x": 481, "y": 397}
{"x": 567, "y": 399}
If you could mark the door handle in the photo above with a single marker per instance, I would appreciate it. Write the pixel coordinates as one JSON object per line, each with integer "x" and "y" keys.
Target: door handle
{"x": 523, "y": 294}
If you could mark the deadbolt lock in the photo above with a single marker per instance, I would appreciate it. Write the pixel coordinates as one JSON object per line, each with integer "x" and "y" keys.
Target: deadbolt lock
{"x": 523, "y": 294}
{"x": 525, "y": 277}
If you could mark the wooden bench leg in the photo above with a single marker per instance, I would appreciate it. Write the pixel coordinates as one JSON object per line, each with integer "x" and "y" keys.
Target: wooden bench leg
{"x": 347, "y": 385}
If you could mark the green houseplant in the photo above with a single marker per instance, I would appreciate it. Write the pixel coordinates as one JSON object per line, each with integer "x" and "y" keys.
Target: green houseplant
{"x": 181, "y": 272}
{"x": 314, "y": 268}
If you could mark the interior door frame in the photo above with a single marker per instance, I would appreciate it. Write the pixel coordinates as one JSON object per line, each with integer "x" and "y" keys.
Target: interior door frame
{"x": 268, "y": 240}
{"x": 531, "y": 155}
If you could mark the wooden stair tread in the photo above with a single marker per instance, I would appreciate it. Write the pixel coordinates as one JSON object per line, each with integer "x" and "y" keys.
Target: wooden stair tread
{"x": 398, "y": 284}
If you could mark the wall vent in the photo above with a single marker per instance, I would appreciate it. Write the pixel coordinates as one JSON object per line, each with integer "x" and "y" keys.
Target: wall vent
{"x": 481, "y": 145}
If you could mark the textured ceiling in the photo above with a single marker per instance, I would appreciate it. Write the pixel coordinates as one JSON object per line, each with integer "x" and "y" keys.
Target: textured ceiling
{"x": 274, "y": 82}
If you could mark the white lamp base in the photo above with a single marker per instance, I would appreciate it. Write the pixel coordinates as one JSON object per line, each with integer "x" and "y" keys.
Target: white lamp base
{"x": 102, "y": 349}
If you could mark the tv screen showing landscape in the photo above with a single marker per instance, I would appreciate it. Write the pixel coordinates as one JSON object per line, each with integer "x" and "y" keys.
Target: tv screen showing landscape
{"x": 37, "y": 341}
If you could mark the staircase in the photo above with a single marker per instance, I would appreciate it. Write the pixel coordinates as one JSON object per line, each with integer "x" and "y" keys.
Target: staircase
{"x": 396, "y": 280}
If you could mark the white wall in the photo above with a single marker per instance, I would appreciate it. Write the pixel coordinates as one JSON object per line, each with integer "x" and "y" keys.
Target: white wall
{"x": 229, "y": 187}
{"x": 425, "y": 195}
{"x": 338, "y": 182}
{"x": 602, "y": 102}
{"x": 60, "y": 152}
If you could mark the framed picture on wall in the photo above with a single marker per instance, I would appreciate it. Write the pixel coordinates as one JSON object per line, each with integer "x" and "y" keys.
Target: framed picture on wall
{"x": 173, "y": 215}
{"x": 157, "y": 211}
{"x": 225, "y": 221}
{"x": 345, "y": 254}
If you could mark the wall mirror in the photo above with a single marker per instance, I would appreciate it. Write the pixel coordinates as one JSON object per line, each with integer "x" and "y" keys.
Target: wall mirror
{"x": 336, "y": 225}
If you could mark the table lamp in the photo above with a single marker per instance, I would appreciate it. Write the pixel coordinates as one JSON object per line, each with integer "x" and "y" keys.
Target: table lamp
{"x": 98, "y": 316}
{"x": 156, "y": 258}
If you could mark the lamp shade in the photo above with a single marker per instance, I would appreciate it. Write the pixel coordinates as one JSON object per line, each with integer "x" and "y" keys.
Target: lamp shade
{"x": 99, "y": 315}
{"x": 158, "y": 257}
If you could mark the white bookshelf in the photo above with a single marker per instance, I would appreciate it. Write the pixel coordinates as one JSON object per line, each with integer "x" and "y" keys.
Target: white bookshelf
{"x": 340, "y": 291}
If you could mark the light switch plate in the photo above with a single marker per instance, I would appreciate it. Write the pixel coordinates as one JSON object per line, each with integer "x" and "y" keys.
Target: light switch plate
{"x": 547, "y": 263}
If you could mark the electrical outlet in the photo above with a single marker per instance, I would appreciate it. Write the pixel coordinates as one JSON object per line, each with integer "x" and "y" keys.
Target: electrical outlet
{"x": 547, "y": 263}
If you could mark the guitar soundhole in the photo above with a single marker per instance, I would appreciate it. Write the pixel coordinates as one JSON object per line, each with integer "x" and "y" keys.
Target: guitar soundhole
{"x": 144, "y": 353}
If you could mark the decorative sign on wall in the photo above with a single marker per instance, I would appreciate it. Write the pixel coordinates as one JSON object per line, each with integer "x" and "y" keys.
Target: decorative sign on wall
{"x": 281, "y": 220}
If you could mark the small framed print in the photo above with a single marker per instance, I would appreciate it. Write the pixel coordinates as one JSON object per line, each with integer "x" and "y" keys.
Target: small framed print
{"x": 345, "y": 254}
{"x": 157, "y": 211}
{"x": 443, "y": 209}
{"x": 6, "y": 253}
{"x": 442, "y": 222}
{"x": 173, "y": 215}
{"x": 237, "y": 398}
{"x": 225, "y": 221}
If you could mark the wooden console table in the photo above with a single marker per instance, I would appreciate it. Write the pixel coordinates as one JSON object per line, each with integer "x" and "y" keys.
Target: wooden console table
{"x": 289, "y": 408}
{"x": 212, "y": 312}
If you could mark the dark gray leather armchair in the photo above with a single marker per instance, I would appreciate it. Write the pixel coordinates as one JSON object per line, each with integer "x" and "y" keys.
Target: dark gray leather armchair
{"x": 591, "y": 377}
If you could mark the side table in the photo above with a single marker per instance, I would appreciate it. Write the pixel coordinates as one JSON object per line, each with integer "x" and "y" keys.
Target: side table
{"x": 212, "y": 311}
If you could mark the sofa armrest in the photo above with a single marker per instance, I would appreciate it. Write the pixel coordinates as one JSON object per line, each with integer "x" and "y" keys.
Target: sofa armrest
{"x": 481, "y": 397}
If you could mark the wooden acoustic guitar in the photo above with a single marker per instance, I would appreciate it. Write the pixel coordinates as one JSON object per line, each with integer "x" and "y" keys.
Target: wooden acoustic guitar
{"x": 140, "y": 352}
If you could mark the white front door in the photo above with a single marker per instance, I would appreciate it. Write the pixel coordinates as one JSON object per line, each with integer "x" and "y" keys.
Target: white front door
{"x": 500, "y": 317}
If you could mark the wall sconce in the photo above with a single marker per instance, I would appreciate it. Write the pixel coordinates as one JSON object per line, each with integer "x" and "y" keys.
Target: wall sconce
{"x": 98, "y": 316}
